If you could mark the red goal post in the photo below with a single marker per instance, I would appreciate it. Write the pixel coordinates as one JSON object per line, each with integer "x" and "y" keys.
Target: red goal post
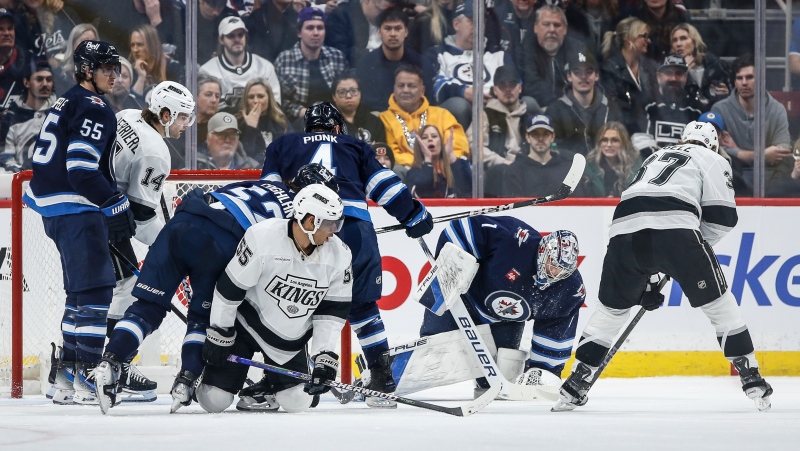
{"x": 28, "y": 344}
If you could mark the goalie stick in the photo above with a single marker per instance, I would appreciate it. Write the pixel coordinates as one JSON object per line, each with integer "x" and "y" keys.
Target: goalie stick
{"x": 561, "y": 406}
{"x": 462, "y": 411}
{"x": 135, "y": 269}
{"x": 567, "y": 187}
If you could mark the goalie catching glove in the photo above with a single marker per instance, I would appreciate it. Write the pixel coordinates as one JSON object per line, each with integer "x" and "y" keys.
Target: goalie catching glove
{"x": 652, "y": 297}
{"x": 326, "y": 364}
{"x": 218, "y": 345}
{"x": 119, "y": 218}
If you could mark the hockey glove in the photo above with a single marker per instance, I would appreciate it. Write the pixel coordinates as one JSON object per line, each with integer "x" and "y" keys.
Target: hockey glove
{"x": 652, "y": 298}
{"x": 421, "y": 222}
{"x": 218, "y": 345}
{"x": 119, "y": 218}
{"x": 326, "y": 364}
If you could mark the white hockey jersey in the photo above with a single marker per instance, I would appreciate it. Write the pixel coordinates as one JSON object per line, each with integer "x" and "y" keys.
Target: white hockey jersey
{"x": 683, "y": 186}
{"x": 281, "y": 297}
{"x": 141, "y": 164}
{"x": 235, "y": 78}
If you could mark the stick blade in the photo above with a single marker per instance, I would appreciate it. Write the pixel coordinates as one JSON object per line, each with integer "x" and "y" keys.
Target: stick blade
{"x": 481, "y": 401}
{"x": 575, "y": 173}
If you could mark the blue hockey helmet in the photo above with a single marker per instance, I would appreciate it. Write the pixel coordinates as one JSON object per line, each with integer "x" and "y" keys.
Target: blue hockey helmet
{"x": 557, "y": 258}
{"x": 93, "y": 54}
{"x": 324, "y": 115}
{"x": 314, "y": 173}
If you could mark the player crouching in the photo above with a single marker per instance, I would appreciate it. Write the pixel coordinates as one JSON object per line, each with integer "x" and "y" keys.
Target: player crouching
{"x": 290, "y": 281}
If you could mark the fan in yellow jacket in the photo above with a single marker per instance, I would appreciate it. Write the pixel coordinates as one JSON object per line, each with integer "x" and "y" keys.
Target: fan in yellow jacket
{"x": 409, "y": 111}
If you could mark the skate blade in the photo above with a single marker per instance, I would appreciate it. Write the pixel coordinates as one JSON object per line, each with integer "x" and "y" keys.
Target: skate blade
{"x": 137, "y": 396}
{"x": 176, "y": 404}
{"x": 763, "y": 404}
{"x": 380, "y": 403}
{"x": 562, "y": 406}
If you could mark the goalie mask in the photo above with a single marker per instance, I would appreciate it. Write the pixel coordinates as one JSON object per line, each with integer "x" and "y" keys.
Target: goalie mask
{"x": 175, "y": 98}
{"x": 557, "y": 258}
{"x": 324, "y": 204}
{"x": 703, "y": 133}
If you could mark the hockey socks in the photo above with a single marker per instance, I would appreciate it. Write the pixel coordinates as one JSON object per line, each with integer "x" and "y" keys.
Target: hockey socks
{"x": 368, "y": 326}
{"x": 141, "y": 319}
{"x": 90, "y": 323}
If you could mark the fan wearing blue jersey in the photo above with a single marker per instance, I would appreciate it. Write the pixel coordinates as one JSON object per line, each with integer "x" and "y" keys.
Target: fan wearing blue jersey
{"x": 74, "y": 189}
{"x": 522, "y": 276}
{"x": 359, "y": 176}
{"x": 197, "y": 242}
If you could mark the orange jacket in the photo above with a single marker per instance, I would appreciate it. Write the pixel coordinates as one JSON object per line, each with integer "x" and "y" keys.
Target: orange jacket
{"x": 440, "y": 117}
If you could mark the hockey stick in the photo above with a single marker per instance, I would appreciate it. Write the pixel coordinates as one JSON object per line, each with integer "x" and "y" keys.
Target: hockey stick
{"x": 462, "y": 411}
{"x": 122, "y": 258}
{"x": 567, "y": 187}
{"x": 561, "y": 405}
{"x": 497, "y": 383}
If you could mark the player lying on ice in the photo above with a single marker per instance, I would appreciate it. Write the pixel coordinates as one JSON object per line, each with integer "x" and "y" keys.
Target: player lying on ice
{"x": 197, "y": 242}
{"x": 678, "y": 205}
{"x": 521, "y": 276}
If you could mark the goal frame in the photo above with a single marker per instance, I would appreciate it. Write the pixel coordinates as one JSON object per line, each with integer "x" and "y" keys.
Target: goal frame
{"x": 17, "y": 332}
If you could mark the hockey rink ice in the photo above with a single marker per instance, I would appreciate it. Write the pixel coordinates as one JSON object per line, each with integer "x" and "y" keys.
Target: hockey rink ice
{"x": 668, "y": 413}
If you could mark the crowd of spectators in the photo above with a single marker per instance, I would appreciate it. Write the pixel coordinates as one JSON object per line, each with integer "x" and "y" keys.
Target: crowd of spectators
{"x": 612, "y": 80}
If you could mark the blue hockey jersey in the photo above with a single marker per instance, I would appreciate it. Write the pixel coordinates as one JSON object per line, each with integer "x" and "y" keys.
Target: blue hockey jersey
{"x": 73, "y": 164}
{"x": 351, "y": 160}
{"x": 504, "y": 288}
{"x": 253, "y": 201}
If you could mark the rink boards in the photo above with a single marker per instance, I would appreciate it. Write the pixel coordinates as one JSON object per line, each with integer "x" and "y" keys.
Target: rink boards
{"x": 760, "y": 259}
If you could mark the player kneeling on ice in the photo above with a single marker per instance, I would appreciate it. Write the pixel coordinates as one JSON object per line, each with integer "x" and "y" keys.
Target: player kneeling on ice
{"x": 289, "y": 282}
{"x": 197, "y": 242}
{"x": 678, "y": 205}
{"x": 521, "y": 276}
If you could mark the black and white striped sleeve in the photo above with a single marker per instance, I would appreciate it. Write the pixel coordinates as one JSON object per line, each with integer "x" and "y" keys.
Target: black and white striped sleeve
{"x": 717, "y": 203}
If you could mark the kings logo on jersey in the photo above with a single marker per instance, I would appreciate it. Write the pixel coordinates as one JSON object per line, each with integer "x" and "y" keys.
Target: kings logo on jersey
{"x": 296, "y": 296}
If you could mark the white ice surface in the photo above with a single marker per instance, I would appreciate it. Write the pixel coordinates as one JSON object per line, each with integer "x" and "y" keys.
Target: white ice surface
{"x": 678, "y": 413}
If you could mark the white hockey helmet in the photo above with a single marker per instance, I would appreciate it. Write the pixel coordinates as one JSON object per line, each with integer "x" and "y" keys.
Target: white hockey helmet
{"x": 324, "y": 204}
{"x": 701, "y": 132}
{"x": 557, "y": 258}
{"x": 176, "y": 98}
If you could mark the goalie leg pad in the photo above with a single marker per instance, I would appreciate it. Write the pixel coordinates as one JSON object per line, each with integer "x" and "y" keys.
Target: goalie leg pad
{"x": 294, "y": 399}
{"x": 732, "y": 333}
{"x": 511, "y": 362}
{"x": 213, "y": 399}
{"x": 599, "y": 334}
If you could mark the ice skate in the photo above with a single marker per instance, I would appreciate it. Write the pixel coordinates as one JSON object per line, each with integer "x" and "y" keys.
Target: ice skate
{"x": 183, "y": 390}
{"x": 574, "y": 389}
{"x": 135, "y": 386}
{"x": 63, "y": 391}
{"x": 106, "y": 377}
{"x": 753, "y": 385}
{"x": 84, "y": 384}
{"x": 259, "y": 397}
{"x": 380, "y": 379}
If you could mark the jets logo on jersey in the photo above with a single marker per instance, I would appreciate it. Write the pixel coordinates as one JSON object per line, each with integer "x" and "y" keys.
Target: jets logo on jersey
{"x": 508, "y": 306}
{"x": 581, "y": 293}
{"x": 296, "y": 296}
{"x": 512, "y": 275}
{"x": 521, "y": 235}
{"x": 96, "y": 100}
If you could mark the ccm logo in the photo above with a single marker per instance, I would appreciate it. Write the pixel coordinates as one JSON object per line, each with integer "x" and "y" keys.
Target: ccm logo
{"x": 150, "y": 289}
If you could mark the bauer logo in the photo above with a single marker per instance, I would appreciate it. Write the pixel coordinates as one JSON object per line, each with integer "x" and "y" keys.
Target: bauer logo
{"x": 149, "y": 289}
{"x": 296, "y": 296}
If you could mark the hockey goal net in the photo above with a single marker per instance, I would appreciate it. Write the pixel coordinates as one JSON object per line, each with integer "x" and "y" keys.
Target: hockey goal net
{"x": 32, "y": 295}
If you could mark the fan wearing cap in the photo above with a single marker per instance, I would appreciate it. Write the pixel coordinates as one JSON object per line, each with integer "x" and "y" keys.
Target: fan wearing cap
{"x": 583, "y": 109}
{"x": 307, "y": 70}
{"x": 13, "y": 61}
{"x": 740, "y": 186}
{"x": 21, "y": 123}
{"x": 540, "y": 169}
{"x": 384, "y": 155}
{"x": 235, "y": 65}
{"x": 672, "y": 107}
{"x": 222, "y": 149}
{"x": 451, "y": 66}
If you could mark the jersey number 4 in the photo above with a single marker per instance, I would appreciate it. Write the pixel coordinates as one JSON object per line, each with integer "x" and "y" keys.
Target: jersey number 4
{"x": 674, "y": 162}
{"x": 324, "y": 156}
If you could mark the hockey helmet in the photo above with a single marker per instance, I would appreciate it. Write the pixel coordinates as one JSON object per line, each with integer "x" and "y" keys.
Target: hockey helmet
{"x": 557, "y": 258}
{"x": 321, "y": 202}
{"x": 324, "y": 115}
{"x": 703, "y": 133}
{"x": 174, "y": 97}
{"x": 314, "y": 173}
{"x": 93, "y": 54}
